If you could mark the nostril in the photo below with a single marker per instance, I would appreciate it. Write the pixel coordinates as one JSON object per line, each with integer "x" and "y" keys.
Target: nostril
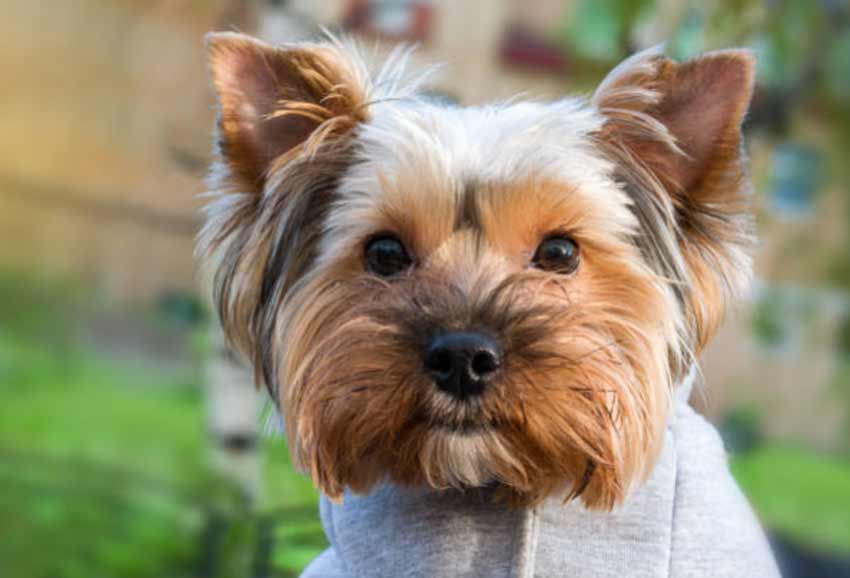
{"x": 440, "y": 361}
{"x": 485, "y": 362}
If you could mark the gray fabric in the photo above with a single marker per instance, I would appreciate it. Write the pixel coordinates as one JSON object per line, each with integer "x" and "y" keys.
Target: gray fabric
{"x": 715, "y": 532}
{"x": 689, "y": 520}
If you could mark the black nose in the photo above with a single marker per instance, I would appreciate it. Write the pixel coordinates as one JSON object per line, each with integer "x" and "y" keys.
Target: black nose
{"x": 462, "y": 363}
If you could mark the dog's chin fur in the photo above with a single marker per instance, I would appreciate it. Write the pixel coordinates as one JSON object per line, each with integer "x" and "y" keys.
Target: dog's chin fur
{"x": 580, "y": 401}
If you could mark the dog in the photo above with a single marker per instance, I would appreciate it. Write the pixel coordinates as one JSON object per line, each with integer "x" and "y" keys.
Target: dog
{"x": 502, "y": 297}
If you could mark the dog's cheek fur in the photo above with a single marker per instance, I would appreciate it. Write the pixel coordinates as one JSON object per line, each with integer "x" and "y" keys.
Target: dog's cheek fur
{"x": 350, "y": 383}
{"x": 259, "y": 246}
{"x": 580, "y": 408}
{"x": 595, "y": 390}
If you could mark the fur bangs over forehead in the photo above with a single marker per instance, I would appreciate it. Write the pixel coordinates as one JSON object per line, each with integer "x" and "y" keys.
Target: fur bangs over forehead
{"x": 318, "y": 155}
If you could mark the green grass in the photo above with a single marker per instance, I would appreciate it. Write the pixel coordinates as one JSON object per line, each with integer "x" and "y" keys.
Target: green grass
{"x": 802, "y": 495}
{"x": 104, "y": 462}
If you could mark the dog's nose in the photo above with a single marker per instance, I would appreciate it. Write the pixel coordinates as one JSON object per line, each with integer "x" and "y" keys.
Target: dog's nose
{"x": 462, "y": 362}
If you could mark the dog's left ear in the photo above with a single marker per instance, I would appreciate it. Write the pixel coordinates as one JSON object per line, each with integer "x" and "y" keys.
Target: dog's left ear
{"x": 674, "y": 130}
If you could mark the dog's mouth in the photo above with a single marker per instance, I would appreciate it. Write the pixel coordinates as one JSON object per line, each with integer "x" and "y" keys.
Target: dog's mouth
{"x": 463, "y": 420}
{"x": 467, "y": 426}
{"x": 448, "y": 414}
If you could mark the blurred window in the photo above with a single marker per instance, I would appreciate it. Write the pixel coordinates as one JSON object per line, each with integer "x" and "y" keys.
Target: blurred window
{"x": 532, "y": 36}
{"x": 526, "y": 48}
{"x": 397, "y": 20}
{"x": 793, "y": 179}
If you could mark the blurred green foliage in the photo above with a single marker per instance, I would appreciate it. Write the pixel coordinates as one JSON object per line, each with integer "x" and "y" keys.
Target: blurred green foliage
{"x": 802, "y": 495}
{"x": 767, "y": 320}
{"x": 103, "y": 464}
{"x": 741, "y": 430}
{"x": 600, "y": 28}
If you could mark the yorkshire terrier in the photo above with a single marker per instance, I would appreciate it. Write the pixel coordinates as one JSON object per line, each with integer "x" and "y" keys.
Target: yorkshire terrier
{"x": 500, "y": 296}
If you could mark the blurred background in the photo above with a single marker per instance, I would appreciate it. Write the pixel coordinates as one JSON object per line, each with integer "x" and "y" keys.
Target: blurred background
{"x": 132, "y": 443}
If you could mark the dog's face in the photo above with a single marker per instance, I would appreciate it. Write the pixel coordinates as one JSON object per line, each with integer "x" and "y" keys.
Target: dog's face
{"x": 460, "y": 297}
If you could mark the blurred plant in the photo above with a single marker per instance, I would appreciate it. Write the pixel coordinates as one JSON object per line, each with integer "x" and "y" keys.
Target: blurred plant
{"x": 836, "y": 66}
{"x": 795, "y": 177}
{"x": 740, "y": 430}
{"x": 182, "y": 309}
{"x": 103, "y": 463}
{"x": 841, "y": 381}
{"x": 600, "y": 29}
{"x": 799, "y": 494}
{"x": 767, "y": 320}
{"x": 37, "y": 307}
{"x": 843, "y": 340}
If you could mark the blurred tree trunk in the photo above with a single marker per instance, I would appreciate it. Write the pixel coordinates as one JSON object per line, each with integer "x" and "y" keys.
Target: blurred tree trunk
{"x": 234, "y": 405}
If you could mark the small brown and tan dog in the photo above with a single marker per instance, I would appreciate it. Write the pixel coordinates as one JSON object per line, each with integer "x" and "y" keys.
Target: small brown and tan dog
{"x": 500, "y": 295}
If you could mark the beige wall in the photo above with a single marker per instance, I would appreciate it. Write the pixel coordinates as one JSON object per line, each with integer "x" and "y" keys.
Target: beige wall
{"x": 465, "y": 41}
{"x": 106, "y": 130}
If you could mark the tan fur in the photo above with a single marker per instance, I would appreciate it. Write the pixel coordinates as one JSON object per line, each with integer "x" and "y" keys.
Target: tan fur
{"x": 586, "y": 388}
{"x": 274, "y": 102}
{"x": 675, "y": 132}
{"x": 653, "y": 195}
{"x": 284, "y": 116}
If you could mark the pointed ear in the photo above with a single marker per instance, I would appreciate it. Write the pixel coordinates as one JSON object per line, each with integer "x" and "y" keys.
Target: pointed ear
{"x": 700, "y": 104}
{"x": 285, "y": 112}
{"x": 675, "y": 131}
{"x": 272, "y": 100}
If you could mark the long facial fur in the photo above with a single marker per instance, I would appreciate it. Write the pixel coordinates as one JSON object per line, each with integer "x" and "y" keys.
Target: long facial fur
{"x": 578, "y": 392}
{"x": 580, "y": 404}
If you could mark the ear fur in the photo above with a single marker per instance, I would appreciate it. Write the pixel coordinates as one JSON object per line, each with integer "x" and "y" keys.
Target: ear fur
{"x": 286, "y": 115}
{"x": 273, "y": 99}
{"x": 675, "y": 131}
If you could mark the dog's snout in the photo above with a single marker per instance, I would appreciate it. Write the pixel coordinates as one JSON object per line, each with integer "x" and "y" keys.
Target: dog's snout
{"x": 461, "y": 363}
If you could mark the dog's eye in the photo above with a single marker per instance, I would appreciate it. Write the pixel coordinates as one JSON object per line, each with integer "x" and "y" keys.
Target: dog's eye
{"x": 558, "y": 254}
{"x": 386, "y": 256}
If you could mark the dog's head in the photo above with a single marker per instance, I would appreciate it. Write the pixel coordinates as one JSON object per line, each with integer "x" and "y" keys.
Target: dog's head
{"x": 449, "y": 296}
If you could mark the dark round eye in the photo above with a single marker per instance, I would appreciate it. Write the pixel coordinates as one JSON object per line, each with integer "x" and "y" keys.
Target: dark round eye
{"x": 386, "y": 256}
{"x": 558, "y": 254}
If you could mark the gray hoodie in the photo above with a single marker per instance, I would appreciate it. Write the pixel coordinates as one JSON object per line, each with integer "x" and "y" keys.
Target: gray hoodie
{"x": 689, "y": 520}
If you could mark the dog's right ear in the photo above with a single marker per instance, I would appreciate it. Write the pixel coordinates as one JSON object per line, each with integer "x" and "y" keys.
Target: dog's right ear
{"x": 272, "y": 101}
{"x": 285, "y": 121}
